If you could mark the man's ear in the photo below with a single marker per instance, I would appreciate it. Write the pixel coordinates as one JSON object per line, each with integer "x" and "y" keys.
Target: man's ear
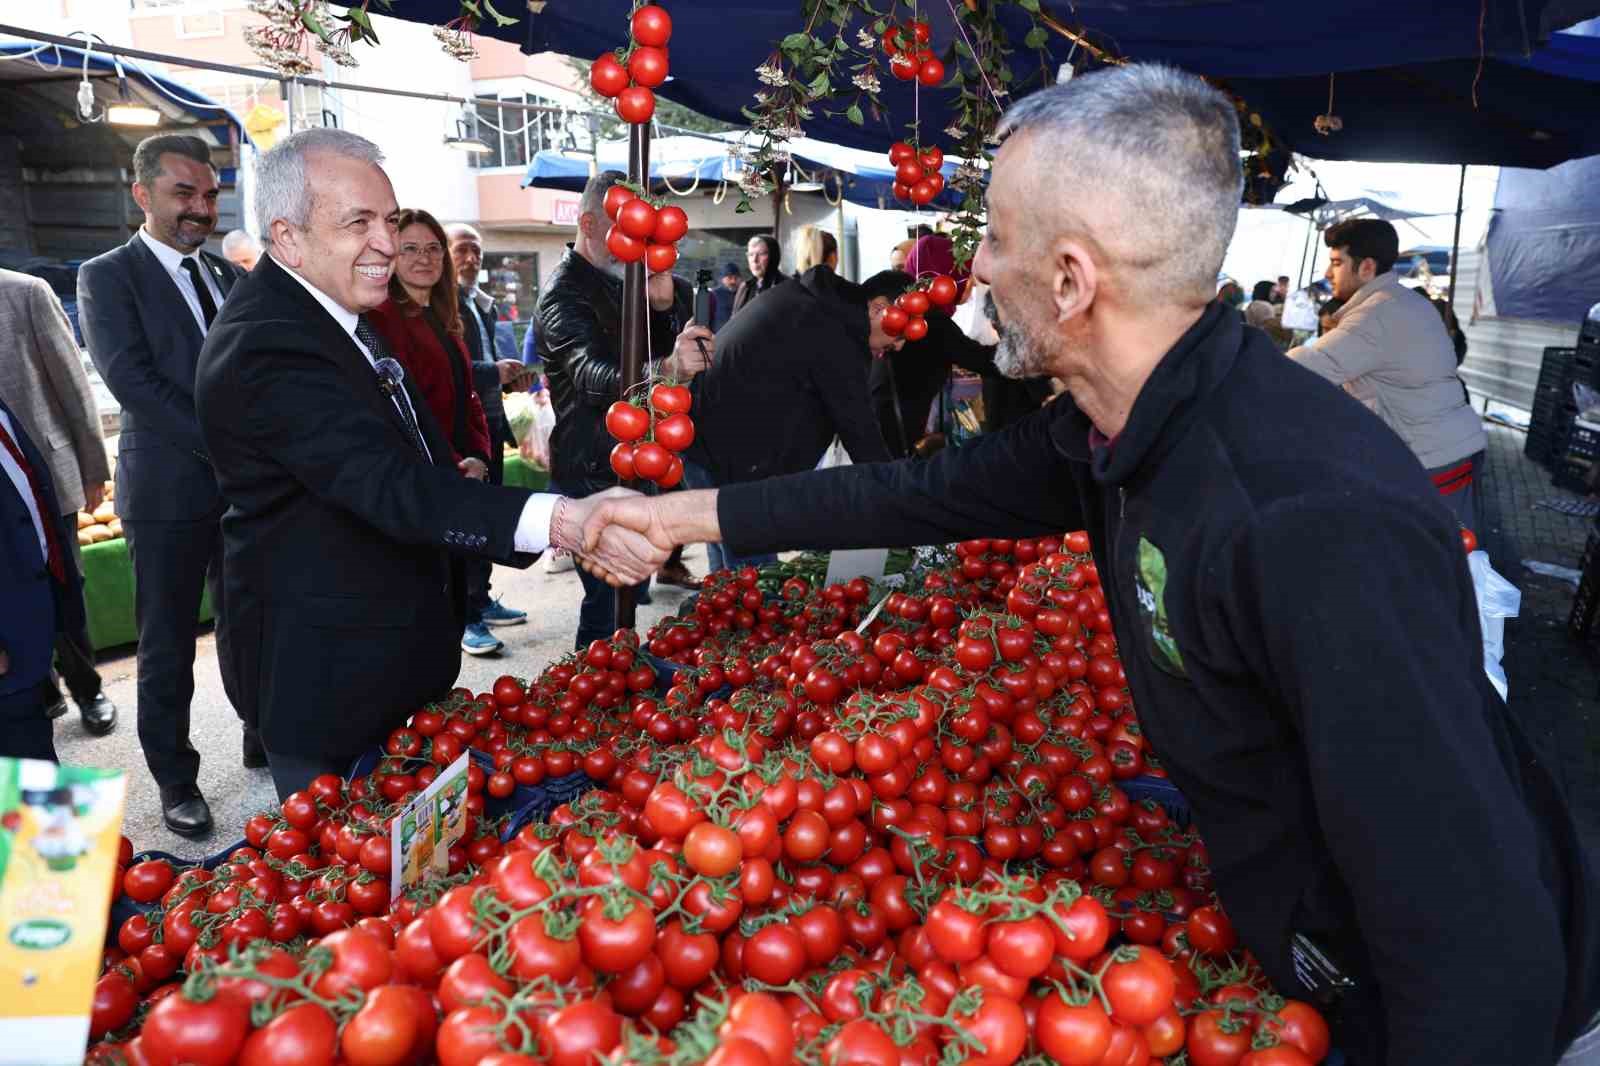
{"x": 141, "y": 196}
{"x": 286, "y": 244}
{"x": 1075, "y": 279}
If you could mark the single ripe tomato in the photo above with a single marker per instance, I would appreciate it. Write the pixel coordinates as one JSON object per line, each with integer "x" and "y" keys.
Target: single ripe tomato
{"x": 626, "y": 423}
{"x": 623, "y": 247}
{"x": 637, "y": 218}
{"x": 652, "y": 26}
{"x": 675, "y": 432}
{"x": 671, "y": 224}
{"x": 622, "y": 462}
{"x": 930, "y": 73}
{"x": 616, "y": 196}
{"x": 671, "y": 399}
{"x": 635, "y": 105}
{"x": 658, "y": 258}
{"x": 607, "y": 76}
{"x": 648, "y": 66}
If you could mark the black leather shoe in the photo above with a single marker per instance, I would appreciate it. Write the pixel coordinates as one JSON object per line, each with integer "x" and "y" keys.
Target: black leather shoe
{"x": 185, "y": 810}
{"x": 99, "y": 715}
{"x": 255, "y": 756}
{"x": 58, "y": 708}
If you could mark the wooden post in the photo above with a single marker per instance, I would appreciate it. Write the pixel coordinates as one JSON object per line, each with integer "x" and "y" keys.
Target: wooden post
{"x": 635, "y": 319}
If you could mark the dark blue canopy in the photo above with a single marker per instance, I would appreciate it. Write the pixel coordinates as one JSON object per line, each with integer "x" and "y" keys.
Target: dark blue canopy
{"x": 1544, "y": 242}
{"x": 1406, "y": 67}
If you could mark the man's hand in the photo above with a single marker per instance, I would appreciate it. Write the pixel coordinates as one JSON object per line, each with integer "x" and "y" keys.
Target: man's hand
{"x": 693, "y": 352}
{"x": 476, "y": 469}
{"x": 511, "y": 371}
{"x": 616, "y": 552}
{"x": 93, "y": 495}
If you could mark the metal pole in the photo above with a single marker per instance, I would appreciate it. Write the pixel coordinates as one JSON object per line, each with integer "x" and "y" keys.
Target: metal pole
{"x": 777, "y": 215}
{"x": 1455, "y": 242}
{"x": 635, "y": 320}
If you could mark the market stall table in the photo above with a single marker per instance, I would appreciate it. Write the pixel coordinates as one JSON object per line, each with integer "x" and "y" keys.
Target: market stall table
{"x": 108, "y": 594}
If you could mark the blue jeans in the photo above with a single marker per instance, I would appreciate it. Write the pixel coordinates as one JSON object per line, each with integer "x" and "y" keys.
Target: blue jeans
{"x": 597, "y": 617}
{"x": 718, "y": 557}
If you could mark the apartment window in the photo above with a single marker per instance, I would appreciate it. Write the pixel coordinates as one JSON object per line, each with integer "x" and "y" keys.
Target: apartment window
{"x": 525, "y": 132}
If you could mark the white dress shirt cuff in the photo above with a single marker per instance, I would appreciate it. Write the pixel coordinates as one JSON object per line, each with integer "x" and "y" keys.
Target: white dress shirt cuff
{"x": 533, "y": 528}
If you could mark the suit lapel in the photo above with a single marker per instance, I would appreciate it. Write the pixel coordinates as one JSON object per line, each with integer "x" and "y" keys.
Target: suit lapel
{"x": 223, "y": 272}
{"x": 163, "y": 291}
{"x": 347, "y": 353}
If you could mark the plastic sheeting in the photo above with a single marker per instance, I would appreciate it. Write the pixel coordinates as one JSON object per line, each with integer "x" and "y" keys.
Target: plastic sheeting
{"x": 1544, "y": 242}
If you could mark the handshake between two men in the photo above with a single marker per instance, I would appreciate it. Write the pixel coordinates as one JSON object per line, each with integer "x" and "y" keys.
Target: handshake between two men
{"x": 622, "y": 537}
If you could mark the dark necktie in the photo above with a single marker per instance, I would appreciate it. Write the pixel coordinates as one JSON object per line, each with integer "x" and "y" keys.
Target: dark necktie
{"x": 208, "y": 306}
{"x": 390, "y": 383}
{"x": 54, "y": 557}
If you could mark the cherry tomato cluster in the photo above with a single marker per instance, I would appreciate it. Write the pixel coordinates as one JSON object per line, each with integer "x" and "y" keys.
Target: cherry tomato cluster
{"x": 833, "y": 839}
{"x": 906, "y": 45}
{"x": 651, "y": 436}
{"x": 907, "y": 316}
{"x": 628, "y": 78}
{"x": 642, "y": 229}
{"x": 917, "y": 175}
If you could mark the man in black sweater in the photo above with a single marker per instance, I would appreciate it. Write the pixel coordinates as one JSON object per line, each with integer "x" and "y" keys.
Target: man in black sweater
{"x": 1291, "y": 601}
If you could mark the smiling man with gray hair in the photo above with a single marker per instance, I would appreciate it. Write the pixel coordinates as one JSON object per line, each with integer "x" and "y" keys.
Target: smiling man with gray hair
{"x": 347, "y": 519}
{"x": 1295, "y": 614}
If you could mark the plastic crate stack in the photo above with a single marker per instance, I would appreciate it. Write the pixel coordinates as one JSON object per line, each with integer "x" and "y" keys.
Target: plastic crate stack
{"x": 1586, "y": 602}
{"x": 1553, "y": 407}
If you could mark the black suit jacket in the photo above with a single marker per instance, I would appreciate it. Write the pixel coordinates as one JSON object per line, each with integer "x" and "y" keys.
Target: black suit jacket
{"x": 36, "y": 605}
{"x": 144, "y": 340}
{"x": 345, "y": 600}
{"x": 485, "y": 366}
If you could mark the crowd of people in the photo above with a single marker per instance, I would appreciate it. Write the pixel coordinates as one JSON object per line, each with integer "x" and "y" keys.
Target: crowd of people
{"x": 317, "y": 440}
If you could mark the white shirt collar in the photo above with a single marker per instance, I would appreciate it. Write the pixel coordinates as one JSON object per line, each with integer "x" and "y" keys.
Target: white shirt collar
{"x": 169, "y": 256}
{"x": 347, "y": 319}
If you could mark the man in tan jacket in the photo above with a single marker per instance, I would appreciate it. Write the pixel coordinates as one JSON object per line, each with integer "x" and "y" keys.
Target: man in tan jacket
{"x": 1389, "y": 350}
{"x": 43, "y": 381}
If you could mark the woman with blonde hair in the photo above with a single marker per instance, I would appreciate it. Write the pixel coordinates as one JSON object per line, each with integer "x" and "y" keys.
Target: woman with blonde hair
{"x": 815, "y": 247}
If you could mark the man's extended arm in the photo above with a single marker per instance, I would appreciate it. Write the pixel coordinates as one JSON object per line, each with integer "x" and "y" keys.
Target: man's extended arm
{"x": 1008, "y": 484}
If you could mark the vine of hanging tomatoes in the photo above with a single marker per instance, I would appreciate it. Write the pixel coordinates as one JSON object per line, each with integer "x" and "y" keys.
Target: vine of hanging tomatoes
{"x": 629, "y": 77}
{"x": 650, "y": 435}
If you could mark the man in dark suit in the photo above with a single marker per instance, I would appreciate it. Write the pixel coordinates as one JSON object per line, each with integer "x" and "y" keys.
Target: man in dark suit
{"x": 145, "y": 309}
{"x": 492, "y": 371}
{"x": 39, "y": 586}
{"x": 348, "y": 520}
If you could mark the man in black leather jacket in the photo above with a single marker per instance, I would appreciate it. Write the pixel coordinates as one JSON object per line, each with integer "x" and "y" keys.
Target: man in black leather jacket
{"x": 579, "y": 323}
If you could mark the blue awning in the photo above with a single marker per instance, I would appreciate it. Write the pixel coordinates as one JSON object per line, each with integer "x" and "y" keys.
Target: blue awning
{"x": 48, "y": 72}
{"x": 1406, "y": 67}
{"x": 679, "y": 162}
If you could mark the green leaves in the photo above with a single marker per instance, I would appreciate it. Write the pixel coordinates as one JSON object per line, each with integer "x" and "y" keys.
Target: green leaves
{"x": 796, "y": 42}
{"x": 1036, "y": 38}
{"x": 499, "y": 19}
{"x": 1029, "y": 5}
{"x": 853, "y": 113}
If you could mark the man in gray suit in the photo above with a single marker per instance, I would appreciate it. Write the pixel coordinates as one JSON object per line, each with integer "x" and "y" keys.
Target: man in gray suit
{"x": 145, "y": 309}
{"x": 44, "y": 384}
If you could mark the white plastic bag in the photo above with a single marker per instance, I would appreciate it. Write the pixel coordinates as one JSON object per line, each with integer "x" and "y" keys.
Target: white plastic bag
{"x": 834, "y": 456}
{"x": 1498, "y": 599}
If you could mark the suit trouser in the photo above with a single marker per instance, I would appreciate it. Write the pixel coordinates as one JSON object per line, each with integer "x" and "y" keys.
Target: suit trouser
{"x": 74, "y": 651}
{"x": 26, "y": 731}
{"x": 291, "y": 773}
{"x": 172, "y": 564}
{"x": 477, "y": 569}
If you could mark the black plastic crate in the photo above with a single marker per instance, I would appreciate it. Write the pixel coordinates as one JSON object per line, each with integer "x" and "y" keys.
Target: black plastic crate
{"x": 1585, "y": 603}
{"x": 1583, "y": 441}
{"x": 1571, "y": 474}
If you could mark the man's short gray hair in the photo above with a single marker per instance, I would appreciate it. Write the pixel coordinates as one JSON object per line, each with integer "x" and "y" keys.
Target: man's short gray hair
{"x": 457, "y": 230}
{"x": 238, "y": 240}
{"x": 594, "y": 193}
{"x": 1152, "y": 154}
{"x": 282, "y": 190}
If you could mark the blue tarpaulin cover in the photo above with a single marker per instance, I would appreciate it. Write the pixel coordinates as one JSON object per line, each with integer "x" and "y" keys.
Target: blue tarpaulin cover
{"x": 1406, "y": 68}
{"x": 1544, "y": 242}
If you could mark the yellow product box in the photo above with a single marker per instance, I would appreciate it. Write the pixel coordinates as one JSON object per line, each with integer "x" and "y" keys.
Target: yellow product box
{"x": 59, "y": 831}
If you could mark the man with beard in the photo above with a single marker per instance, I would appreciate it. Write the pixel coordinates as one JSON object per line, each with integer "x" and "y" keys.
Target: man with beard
{"x": 579, "y": 327}
{"x": 145, "y": 309}
{"x": 1295, "y": 614}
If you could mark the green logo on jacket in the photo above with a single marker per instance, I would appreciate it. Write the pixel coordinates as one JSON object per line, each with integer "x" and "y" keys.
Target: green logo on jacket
{"x": 1150, "y": 584}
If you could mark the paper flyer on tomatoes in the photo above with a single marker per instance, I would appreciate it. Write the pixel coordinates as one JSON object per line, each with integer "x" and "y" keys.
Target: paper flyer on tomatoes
{"x": 59, "y": 831}
{"x": 421, "y": 835}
